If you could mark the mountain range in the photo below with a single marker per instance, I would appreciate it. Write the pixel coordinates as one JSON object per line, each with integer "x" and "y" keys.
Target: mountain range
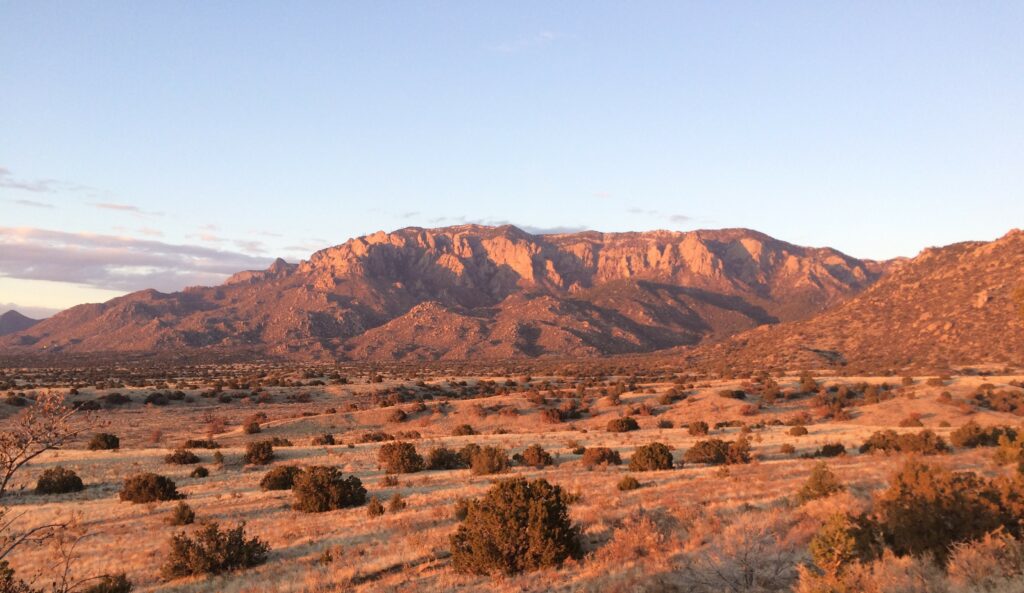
{"x": 476, "y": 292}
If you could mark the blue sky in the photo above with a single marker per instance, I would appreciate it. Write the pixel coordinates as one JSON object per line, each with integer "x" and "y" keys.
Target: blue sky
{"x": 169, "y": 143}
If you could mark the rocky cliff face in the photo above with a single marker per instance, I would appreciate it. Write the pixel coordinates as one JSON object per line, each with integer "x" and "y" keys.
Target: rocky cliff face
{"x": 478, "y": 291}
{"x": 960, "y": 305}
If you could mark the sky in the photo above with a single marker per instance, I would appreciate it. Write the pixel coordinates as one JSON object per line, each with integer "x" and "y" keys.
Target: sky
{"x": 166, "y": 144}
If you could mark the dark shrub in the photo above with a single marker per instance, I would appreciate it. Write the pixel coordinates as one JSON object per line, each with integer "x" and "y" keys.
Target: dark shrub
{"x": 535, "y": 456}
{"x": 396, "y": 503}
{"x": 843, "y": 540}
{"x": 200, "y": 472}
{"x": 972, "y": 435}
{"x": 830, "y": 450}
{"x": 798, "y": 431}
{"x": 251, "y": 427}
{"x": 911, "y": 422}
{"x": 653, "y": 457}
{"x": 698, "y": 428}
{"x": 374, "y": 508}
{"x": 925, "y": 442}
{"x": 821, "y": 483}
{"x": 182, "y": 514}
{"x": 444, "y": 458}
{"x": 181, "y": 457}
{"x": 281, "y": 442}
{"x": 467, "y": 452}
{"x": 593, "y": 456}
{"x": 58, "y": 480}
{"x": 739, "y": 451}
{"x": 517, "y": 526}
{"x": 318, "y": 489}
{"x": 787, "y": 449}
{"x": 104, "y": 442}
{"x": 218, "y": 457}
{"x": 149, "y": 488}
{"x": 117, "y": 583}
{"x": 212, "y": 552}
{"x": 201, "y": 444}
{"x": 627, "y": 483}
{"x": 488, "y": 460}
{"x": 622, "y": 424}
{"x": 116, "y": 399}
{"x": 259, "y": 453}
{"x": 324, "y": 439}
{"x": 463, "y": 430}
{"x": 281, "y": 477}
{"x": 733, "y": 393}
{"x": 12, "y": 584}
{"x": 926, "y": 509}
{"x": 711, "y": 451}
{"x": 397, "y": 415}
{"x": 399, "y": 458}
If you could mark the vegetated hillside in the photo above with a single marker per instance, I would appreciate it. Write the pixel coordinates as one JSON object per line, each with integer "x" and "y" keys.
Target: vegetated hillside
{"x": 477, "y": 291}
{"x": 960, "y": 305}
{"x": 12, "y": 321}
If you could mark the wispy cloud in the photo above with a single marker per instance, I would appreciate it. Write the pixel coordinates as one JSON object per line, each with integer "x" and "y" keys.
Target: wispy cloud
{"x": 673, "y": 218}
{"x": 528, "y": 42}
{"x": 113, "y": 262}
{"x": 129, "y": 208}
{"x": 32, "y": 203}
{"x": 39, "y": 186}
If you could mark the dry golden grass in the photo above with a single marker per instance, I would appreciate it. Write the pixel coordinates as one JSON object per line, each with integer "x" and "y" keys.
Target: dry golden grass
{"x": 681, "y": 526}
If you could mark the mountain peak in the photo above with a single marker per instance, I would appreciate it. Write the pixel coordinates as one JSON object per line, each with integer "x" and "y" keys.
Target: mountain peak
{"x": 12, "y": 322}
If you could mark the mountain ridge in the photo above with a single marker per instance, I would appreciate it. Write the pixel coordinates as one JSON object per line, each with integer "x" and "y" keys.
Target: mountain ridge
{"x": 477, "y": 291}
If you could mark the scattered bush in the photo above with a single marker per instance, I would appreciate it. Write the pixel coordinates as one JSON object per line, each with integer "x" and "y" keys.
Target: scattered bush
{"x": 652, "y": 457}
{"x": 925, "y": 442}
{"x": 200, "y": 472}
{"x": 281, "y": 477}
{"x": 181, "y": 457}
{"x": 517, "y": 526}
{"x": 463, "y": 430}
{"x": 251, "y": 427}
{"x": 625, "y": 424}
{"x": 445, "y": 458}
{"x": 104, "y": 442}
{"x": 182, "y": 514}
{"x": 399, "y": 458}
{"x": 396, "y": 503}
{"x": 318, "y": 489}
{"x": 841, "y": 541}
{"x": 488, "y": 460}
{"x": 820, "y": 484}
{"x": 972, "y": 435}
{"x": 593, "y": 456}
{"x": 798, "y": 431}
{"x": 149, "y": 487}
{"x": 201, "y": 444}
{"x": 213, "y": 551}
{"x": 787, "y": 449}
{"x": 117, "y": 583}
{"x": 830, "y": 450}
{"x": 323, "y": 440}
{"x": 717, "y": 451}
{"x": 58, "y": 480}
{"x": 535, "y": 456}
{"x": 627, "y": 483}
{"x": 374, "y": 508}
{"x": 698, "y": 428}
{"x": 259, "y": 453}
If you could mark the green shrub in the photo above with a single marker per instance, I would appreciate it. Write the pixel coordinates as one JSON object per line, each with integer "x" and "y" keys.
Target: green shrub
{"x": 318, "y": 489}
{"x": 213, "y": 551}
{"x": 58, "y": 480}
{"x": 517, "y": 526}
{"x": 593, "y": 456}
{"x": 698, "y": 428}
{"x": 259, "y": 453}
{"x": 652, "y": 457}
{"x": 821, "y": 483}
{"x": 182, "y": 514}
{"x": 445, "y": 458}
{"x": 149, "y": 487}
{"x": 281, "y": 477}
{"x": 104, "y": 441}
{"x": 925, "y": 442}
{"x": 488, "y": 460}
{"x": 843, "y": 540}
{"x": 181, "y": 457}
{"x": 535, "y": 456}
{"x": 117, "y": 583}
{"x": 625, "y": 424}
{"x": 399, "y": 458}
{"x": 627, "y": 483}
{"x": 926, "y": 509}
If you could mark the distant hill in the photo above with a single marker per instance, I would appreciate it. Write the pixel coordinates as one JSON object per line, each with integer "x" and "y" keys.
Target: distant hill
{"x": 950, "y": 306}
{"x": 12, "y": 321}
{"x": 476, "y": 291}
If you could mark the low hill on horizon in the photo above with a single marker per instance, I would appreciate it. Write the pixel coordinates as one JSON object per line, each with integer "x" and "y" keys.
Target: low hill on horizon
{"x": 12, "y": 322}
